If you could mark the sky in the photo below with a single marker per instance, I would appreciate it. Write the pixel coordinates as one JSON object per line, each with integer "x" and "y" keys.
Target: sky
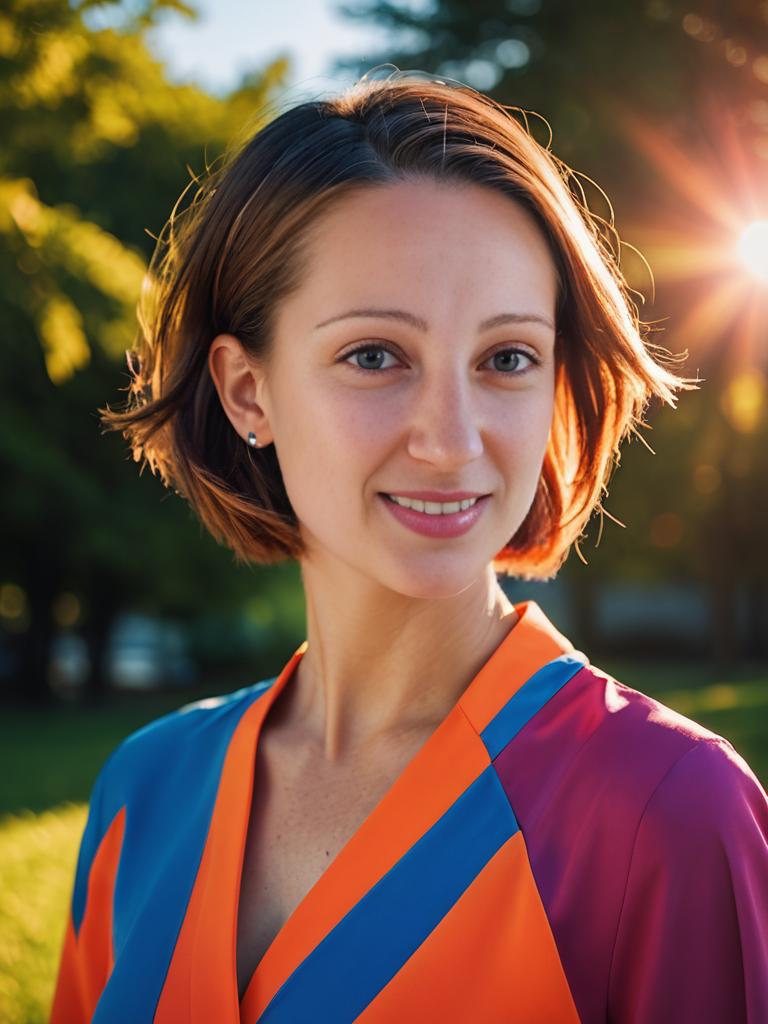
{"x": 234, "y": 36}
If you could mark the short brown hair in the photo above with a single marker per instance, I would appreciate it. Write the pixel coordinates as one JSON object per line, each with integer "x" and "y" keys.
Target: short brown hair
{"x": 238, "y": 252}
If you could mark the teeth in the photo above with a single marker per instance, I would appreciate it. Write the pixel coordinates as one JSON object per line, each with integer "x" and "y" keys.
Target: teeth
{"x": 433, "y": 508}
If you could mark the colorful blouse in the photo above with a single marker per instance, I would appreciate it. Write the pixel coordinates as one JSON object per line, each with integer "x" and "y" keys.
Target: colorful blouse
{"x": 562, "y": 848}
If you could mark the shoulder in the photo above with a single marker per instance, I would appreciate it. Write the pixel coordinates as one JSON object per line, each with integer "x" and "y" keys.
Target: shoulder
{"x": 709, "y": 791}
{"x": 703, "y": 827}
{"x": 655, "y": 830}
{"x": 689, "y": 771}
{"x": 695, "y": 886}
{"x": 603, "y": 752}
{"x": 647, "y": 740}
{"x": 600, "y": 735}
{"x": 652, "y": 829}
{"x": 198, "y": 730}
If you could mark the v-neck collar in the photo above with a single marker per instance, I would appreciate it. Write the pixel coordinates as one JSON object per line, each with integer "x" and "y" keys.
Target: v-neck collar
{"x": 447, "y": 763}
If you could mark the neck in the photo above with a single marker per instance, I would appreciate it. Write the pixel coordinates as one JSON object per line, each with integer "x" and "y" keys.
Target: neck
{"x": 377, "y": 669}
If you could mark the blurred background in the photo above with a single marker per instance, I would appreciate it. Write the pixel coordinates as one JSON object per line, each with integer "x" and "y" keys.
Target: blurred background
{"x": 115, "y": 605}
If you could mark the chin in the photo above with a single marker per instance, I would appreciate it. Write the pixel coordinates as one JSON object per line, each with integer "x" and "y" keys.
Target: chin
{"x": 440, "y": 580}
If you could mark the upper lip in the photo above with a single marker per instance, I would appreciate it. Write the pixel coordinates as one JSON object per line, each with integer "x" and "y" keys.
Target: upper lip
{"x": 442, "y": 496}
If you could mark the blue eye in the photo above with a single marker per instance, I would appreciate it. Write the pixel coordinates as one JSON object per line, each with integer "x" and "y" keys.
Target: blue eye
{"x": 369, "y": 350}
{"x": 374, "y": 351}
{"x": 516, "y": 353}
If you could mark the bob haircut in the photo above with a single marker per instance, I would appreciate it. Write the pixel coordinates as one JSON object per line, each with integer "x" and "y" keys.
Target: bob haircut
{"x": 239, "y": 252}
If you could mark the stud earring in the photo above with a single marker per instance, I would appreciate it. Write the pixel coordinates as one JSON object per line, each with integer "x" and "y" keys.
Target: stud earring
{"x": 252, "y": 439}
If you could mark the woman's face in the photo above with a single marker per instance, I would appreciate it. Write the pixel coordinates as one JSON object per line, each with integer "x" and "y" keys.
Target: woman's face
{"x": 444, "y": 394}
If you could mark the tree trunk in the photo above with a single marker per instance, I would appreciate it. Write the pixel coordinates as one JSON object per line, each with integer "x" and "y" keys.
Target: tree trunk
{"x": 757, "y": 626}
{"x": 41, "y": 586}
{"x": 102, "y": 614}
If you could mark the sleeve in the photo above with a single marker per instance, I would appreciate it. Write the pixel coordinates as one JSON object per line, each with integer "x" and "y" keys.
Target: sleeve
{"x": 87, "y": 952}
{"x": 692, "y": 937}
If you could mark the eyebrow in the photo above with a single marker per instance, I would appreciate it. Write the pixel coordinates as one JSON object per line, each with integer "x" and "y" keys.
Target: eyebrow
{"x": 418, "y": 322}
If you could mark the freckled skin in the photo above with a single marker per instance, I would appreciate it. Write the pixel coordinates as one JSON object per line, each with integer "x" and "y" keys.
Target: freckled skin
{"x": 454, "y": 257}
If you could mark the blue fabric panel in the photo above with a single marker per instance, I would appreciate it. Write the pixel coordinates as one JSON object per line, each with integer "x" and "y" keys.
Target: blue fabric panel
{"x": 529, "y": 699}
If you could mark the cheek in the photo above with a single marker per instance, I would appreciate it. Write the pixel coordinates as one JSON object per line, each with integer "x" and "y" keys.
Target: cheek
{"x": 356, "y": 428}
{"x": 525, "y": 434}
{"x": 332, "y": 441}
{"x": 363, "y": 419}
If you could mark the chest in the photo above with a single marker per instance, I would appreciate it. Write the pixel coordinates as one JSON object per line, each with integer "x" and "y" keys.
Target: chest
{"x": 302, "y": 813}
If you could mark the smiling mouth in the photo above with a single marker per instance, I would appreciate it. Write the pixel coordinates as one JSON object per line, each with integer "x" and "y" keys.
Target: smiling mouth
{"x": 440, "y": 521}
{"x": 449, "y": 507}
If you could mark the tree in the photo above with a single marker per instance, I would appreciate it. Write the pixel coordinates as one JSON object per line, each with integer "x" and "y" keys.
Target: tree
{"x": 98, "y": 145}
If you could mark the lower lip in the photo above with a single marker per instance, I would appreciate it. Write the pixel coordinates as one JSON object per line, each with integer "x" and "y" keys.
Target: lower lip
{"x": 451, "y": 525}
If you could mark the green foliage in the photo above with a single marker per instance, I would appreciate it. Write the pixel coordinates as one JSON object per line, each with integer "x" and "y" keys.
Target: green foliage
{"x": 97, "y": 147}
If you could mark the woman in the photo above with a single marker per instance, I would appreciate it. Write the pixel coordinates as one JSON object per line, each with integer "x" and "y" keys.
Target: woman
{"x": 389, "y": 342}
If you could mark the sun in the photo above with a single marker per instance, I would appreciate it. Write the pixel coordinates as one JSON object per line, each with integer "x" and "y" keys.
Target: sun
{"x": 706, "y": 237}
{"x": 752, "y": 247}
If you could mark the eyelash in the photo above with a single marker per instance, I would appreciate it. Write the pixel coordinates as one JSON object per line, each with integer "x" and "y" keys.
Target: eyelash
{"x": 385, "y": 348}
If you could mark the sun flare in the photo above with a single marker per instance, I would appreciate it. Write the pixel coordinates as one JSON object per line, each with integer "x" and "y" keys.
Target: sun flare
{"x": 752, "y": 247}
{"x": 705, "y": 238}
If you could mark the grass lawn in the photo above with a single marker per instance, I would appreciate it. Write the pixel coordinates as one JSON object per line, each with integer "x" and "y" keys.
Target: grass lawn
{"x": 51, "y": 759}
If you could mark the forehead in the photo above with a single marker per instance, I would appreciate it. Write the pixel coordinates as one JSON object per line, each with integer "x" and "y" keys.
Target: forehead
{"x": 426, "y": 240}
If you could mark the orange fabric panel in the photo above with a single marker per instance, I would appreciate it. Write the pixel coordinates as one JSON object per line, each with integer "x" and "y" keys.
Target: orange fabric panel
{"x": 87, "y": 959}
{"x": 492, "y": 950}
{"x": 201, "y": 985}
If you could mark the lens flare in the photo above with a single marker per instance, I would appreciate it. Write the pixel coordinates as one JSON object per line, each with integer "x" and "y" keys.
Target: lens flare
{"x": 753, "y": 248}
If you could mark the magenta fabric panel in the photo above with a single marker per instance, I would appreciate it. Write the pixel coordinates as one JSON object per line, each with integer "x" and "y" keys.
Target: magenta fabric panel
{"x": 647, "y": 835}
{"x": 692, "y": 943}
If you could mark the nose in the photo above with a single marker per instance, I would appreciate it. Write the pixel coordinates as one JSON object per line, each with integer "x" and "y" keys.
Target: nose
{"x": 443, "y": 423}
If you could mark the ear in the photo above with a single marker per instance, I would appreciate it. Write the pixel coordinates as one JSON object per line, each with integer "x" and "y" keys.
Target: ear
{"x": 240, "y": 383}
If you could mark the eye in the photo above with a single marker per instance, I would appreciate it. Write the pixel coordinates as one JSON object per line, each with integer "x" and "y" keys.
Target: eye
{"x": 372, "y": 352}
{"x": 515, "y": 354}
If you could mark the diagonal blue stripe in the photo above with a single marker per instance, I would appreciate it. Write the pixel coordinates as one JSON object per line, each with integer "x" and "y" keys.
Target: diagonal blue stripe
{"x": 370, "y": 944}
{"x": 529, "y": 699}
